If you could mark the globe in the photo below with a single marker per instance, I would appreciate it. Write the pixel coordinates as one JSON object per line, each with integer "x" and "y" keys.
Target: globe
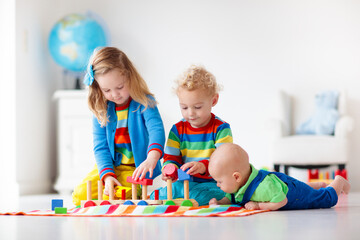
{"x": 73, "y": 39}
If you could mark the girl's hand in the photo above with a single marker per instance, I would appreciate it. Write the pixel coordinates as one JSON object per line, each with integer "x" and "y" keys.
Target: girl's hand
{"x": 252, "y": 206}
{"x": 108, "y": 181}
{"x": 147, "y": 166}
{"x": 194, "y": 168}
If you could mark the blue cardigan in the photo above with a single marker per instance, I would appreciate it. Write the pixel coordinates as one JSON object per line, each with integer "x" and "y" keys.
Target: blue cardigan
{"x": 146, "y": 131}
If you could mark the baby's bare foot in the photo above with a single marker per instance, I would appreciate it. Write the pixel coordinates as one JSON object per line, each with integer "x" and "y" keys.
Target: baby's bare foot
{"x": 341, "y": 185}
{"x": 345, "y": 184}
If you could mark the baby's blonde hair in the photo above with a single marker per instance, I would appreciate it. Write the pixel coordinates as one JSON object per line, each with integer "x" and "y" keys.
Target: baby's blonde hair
{"x": 104, "y": 60}
{"x": 197, "y": 77}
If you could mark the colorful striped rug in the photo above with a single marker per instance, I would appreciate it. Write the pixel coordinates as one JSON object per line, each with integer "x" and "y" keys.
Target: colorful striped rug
{"x": 147, "y": 211}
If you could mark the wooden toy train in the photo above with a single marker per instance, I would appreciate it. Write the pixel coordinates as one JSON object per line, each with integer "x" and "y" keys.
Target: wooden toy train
{"x": 170, "y": 170}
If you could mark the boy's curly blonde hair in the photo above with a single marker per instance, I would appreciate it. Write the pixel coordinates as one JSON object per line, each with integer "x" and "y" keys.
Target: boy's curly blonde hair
{"x": 197, "y": 77}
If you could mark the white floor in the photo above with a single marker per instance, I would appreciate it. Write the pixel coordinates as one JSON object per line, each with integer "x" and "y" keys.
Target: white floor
{"x": 341, "y": 222}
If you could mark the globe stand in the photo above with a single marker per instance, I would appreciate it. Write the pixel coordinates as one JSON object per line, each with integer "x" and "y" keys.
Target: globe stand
{"x": 77, "y": 84}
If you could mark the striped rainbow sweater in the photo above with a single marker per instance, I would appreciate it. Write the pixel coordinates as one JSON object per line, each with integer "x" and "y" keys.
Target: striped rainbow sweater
{"x": 188, "y": 144}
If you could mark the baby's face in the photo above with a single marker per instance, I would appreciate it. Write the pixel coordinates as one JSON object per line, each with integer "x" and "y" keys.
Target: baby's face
{"x": 196, "y": 106}
{"x": 225, "y": 181}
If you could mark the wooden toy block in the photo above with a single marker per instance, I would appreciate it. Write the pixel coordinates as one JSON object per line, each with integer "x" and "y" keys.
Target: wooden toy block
{"x": 60, "y": 210}
{"x": 142, "y": 203}
{"x": 134, "y": 191}
{"x": 123, "y": 194}
{"x": 342, "y": 173}
{"x": 100, "y": 190}
{"x": 93, "y": 203}
{"x": 169, "y": 202}
{"x": 327, "y": 181}
{"x": 187, "y": 203}
{"x": 105, "y": 202}
{"x": 184, "y": 176}
{"x": 313, "y": 174}
{"x": 88, "y": 203}
{"x": 111, "y": 190}
{"x": 156, "y": 194}
{"x": 169, "y": 189}
{"x": 88, "y": 195}
{"x": 128, "y": 202}
{"x": 171, "y": 170}
{"x": 144, "y": 181}
{"x": 186, "y": 189}
{"x": 178, "y": 202}
{"x": 119, "y": 192}
{"x": 56, "y": 203}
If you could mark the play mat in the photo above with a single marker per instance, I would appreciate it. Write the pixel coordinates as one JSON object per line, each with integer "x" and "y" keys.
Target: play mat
{"x": 147, "y": 211}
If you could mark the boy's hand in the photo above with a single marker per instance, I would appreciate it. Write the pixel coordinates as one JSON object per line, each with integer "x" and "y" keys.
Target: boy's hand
{"x": 252, "y": 206}
{"x": 147, "y": 166}
{"x": 108, "y": 181}
{"x": 164, "y": 174}
{"x": 194, "y": 168}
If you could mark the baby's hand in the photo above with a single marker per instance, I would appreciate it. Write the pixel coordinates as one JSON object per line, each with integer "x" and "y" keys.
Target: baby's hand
{"x": 108, "y": 181}
{"x": 252, "y": 206}
{"x": 194, "y": 168}
{"x": 213, "y": 201}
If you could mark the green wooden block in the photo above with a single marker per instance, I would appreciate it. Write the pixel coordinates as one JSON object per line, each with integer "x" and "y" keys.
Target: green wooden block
{"x": 60, "y": 210}
{"x": 170, "y": 202}
{"x": 187, "y": 203}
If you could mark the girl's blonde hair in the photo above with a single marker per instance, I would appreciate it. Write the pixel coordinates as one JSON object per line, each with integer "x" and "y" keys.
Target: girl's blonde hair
{"x": 197, "y": 77}
{"x": 105, "y": 60}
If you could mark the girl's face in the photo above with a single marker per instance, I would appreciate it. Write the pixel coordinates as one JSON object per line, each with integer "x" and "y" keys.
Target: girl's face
{"x": 196, "y": 106}
{"x": 115, "y": 87}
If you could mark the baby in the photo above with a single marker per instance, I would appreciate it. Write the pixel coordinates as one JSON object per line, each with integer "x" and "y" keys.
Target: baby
{"x": 229, "y": 166}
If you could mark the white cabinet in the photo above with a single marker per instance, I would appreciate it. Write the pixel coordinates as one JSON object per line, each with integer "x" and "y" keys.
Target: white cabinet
{"x": 75, "y": 156}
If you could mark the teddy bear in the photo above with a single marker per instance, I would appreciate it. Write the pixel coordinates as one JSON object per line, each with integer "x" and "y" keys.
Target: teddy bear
{"x": 324, "y": 119}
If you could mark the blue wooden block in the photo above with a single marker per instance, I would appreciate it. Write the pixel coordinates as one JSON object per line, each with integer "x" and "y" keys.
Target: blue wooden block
{"x": 56, "y": 203}
{"x": 182, "y": 176}
{"x": 128, "y": 202}
{"x": 142, "y": 203}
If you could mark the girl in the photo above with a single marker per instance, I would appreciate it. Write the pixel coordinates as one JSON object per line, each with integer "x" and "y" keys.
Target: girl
{"x": 128, "y": 132}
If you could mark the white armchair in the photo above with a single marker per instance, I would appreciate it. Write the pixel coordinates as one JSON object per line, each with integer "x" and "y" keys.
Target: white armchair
{"x": 307, "y": 151}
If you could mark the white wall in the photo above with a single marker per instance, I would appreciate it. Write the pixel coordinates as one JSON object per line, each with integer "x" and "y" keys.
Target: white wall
{"x": 8, "y": 184}
{"x": 253, "y": 47}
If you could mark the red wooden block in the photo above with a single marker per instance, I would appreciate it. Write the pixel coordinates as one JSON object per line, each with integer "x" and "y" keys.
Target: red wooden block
{"x": 123, "y": 194}
{"x": 313, "y": 175}
{"x": 342, "y": 173}
{"x": 170, "y": 170}
{"x": 89, "y": 204}
{"x": 105, "y": 203}
{"x": 156, "y": 193}
{"x": 145, "y": 181}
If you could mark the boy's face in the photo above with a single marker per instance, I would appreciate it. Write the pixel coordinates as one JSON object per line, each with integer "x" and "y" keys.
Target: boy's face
{"x": 196, "y": 106}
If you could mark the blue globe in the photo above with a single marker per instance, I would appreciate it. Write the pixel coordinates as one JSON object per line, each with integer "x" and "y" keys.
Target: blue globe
{"x": 73, "y": 39}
